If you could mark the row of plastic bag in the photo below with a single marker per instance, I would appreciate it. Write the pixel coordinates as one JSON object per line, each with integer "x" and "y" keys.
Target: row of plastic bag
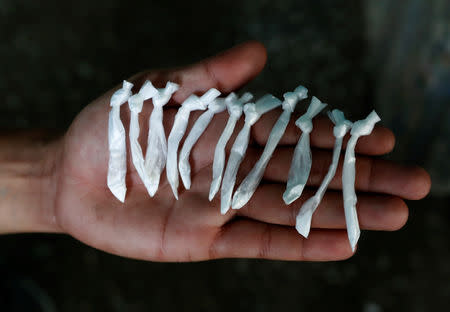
{"x": 161, "y": 153}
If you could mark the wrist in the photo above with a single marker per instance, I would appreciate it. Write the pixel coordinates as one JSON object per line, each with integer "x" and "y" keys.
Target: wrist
{"x": 28, "y": 163}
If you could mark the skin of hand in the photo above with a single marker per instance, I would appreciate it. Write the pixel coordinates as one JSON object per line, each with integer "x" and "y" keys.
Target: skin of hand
{"x": 59, "y": 185}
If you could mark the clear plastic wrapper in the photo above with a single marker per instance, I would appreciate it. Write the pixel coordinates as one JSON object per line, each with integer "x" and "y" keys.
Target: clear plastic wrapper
{"x": 301, "y": 161}
{"x": 253, "y": 112}
{"x": 341, "y": 127}
{"x": 359, "y": 128}
{"x": 135, "y": 103}
{"x": 248, "y": 186}
{"x": 117, "y": 163}
{"x": 216, "y": 106}
{"x": 156, "y": 155}
{"x": 234, "y": 107}
{"x": 180, "y": 123}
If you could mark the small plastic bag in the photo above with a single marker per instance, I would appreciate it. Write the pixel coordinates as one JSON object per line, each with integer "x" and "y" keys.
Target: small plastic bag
{"x": 359, "y": 128}
{"x": 234, "y": 107}
{"x": 156, "y": 155}
{"x": 248, "y": 187}
{"x": 180, "y": 123}
{"x": 117, "y": 163}
{"x": 135, "y": 103}
{"x": 301, "y": 161}
{"x": 341, "y": 127}
{"x": 216, "y": 106}
{"x": 253, "y": 112}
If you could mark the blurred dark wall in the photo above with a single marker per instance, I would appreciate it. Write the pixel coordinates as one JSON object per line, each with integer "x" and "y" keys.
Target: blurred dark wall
{"x": 57, "y": 56}
{"x": 409, "y": 60}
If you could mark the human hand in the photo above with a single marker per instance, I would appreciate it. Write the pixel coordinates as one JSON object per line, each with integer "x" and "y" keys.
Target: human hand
{"x": 192, "y": 228}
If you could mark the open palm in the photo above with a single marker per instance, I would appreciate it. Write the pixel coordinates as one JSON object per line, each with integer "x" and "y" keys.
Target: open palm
{"x": 192, "y": 228}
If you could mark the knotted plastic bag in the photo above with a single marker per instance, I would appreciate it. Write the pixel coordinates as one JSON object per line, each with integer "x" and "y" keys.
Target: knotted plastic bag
{"x": 234, "y": 107}
{"x": 253, "y": 112}
{"x": 156, "y": 155}
{"x": 117, "y": 163}
{"x": 216, "y": 106}
{"x": 135, "y": 103}
{"x": 192, "y": 103}
{"x": 301, "y": 161}
{"x": 359, "y": 128}
{"x": 248, "y": 187}
{"x": 341, "y": 127}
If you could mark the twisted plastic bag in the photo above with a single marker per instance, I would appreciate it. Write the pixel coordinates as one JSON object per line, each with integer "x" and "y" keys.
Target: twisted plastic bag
{"x": 193, "y": 102}
{"x": 117, "y": 163}
{"x": 248, "y": 187}
{"x": 253, "y": 112}
{"x": 156, "y": 155}
{"x": 359, "y": 128}
{"x": 341, "y": 127}
{"x": 216, "y": 106}
{"x": 234, "y": 107}
{"x": 301, "y": 161}
{"x": 135, "y": 103}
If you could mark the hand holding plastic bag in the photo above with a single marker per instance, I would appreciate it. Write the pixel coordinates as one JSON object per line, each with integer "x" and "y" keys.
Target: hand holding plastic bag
{"x": 156, "y": 155}
{"x": 193, "y": 102}
{"x": 248, "y": 187}
{"x": 341, "y": 127}
{"x": 360, "y": 128}
{"x": 301, "y": 161}
{"x": 234, "y": 107}
{"x": 117, "y": 163}
{"x": 135, "y": 103}
{"x": 253, "y": 112}
{"x": 216, "y": 106}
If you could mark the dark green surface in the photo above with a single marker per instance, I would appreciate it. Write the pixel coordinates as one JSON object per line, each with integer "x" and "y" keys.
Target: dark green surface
{"x": 56, "y": 56}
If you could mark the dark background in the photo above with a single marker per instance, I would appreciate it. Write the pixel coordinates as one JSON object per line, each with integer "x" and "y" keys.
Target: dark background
{"x": 57, "y": 56}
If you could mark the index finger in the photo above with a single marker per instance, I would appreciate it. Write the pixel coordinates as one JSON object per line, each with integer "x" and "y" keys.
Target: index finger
{"x": 379, "y": 142}
{"x": 226, "y": 71}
